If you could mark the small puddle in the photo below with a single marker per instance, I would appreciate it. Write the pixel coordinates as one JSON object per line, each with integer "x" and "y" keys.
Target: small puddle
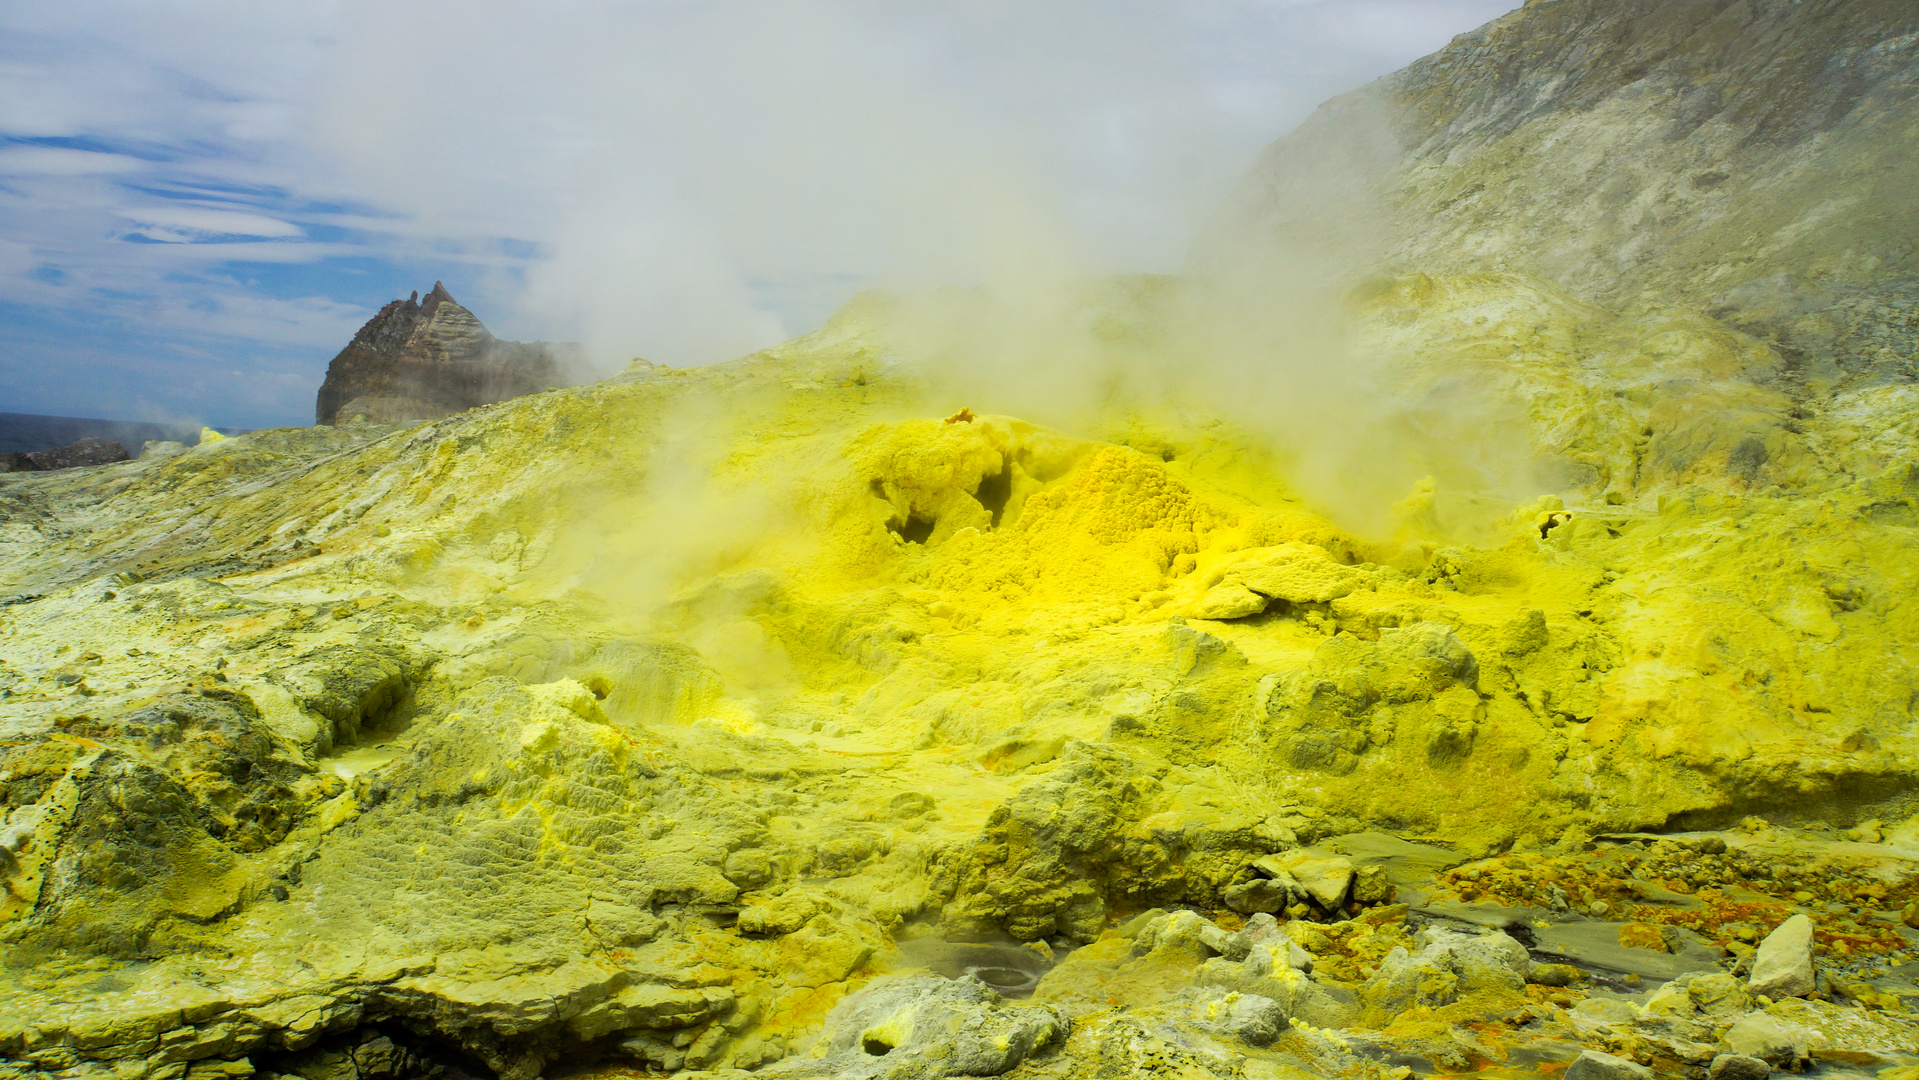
{"x": 1011, "y": 970}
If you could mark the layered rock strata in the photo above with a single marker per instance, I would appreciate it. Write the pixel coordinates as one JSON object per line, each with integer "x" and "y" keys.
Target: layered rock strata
{"x": 419, "y": 360}
{"x": 1751, "y": 159}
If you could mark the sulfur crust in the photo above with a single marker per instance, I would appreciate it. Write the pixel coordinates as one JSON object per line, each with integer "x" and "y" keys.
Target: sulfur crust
{"x": 628, "y": 620}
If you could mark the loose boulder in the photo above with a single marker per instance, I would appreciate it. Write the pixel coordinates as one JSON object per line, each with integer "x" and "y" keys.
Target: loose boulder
{"x": 924, "y": 1025}
{"x": 1737, "y": 1067}
{"x": 1782, "y": 967}
{"x": 1594, "y": 1065}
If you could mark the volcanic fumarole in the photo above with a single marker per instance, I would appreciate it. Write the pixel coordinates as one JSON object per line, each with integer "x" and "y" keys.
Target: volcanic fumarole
{"x": 1508, "y": 664}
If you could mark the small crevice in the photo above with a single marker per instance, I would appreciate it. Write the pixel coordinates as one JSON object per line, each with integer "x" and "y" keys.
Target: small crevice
{"x": 914, "y": 530}
{"x": 994, "y": 492}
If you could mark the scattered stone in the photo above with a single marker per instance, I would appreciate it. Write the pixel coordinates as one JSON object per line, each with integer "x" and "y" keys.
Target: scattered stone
{"x": 1255, "y": 1019}
{"x": 1782, "y": 967}
{"x": 1716, "y": 993}
{"x": 1761, "y": 1036}
{"x": 1738, "y": 1067}
{"x": 1372, "y": 886}
{"x": 1231, "y": 946}
{"x": 1447, "y": 965}
{"x": 1556, "y": 975}
{"x": 1594, "y": 1065}
{"x": 923, "y": 1026}
{"x": 1609, "y": 1010}
{"x": 1279, "y": 971}
{"x": 1324, "y": 880}
{"x": 1180, "y": 931}
{"x": 1259, "y": 895}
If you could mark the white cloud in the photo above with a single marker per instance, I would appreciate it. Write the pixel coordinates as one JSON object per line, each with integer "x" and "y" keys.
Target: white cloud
{"x": 185, "y": 222}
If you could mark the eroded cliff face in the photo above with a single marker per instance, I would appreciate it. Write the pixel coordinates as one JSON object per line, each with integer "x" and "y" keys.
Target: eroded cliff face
{"x": 421, "y": 359}
{"x": 1750, "y": 158}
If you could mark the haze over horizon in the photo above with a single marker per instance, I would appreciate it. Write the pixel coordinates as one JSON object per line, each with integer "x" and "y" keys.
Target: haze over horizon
{"x": 199, "y": 206}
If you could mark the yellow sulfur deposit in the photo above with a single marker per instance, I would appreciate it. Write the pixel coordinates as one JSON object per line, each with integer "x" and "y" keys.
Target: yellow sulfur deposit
{"x": 1436, "y": 671}
{"x": 663, "y": 714}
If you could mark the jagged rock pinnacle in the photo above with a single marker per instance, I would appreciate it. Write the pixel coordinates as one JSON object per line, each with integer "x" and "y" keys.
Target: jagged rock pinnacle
{"x": 418, "y": 360}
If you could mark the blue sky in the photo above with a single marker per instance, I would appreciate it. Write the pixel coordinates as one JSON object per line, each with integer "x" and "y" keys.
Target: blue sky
{"x": 201, "y": 201}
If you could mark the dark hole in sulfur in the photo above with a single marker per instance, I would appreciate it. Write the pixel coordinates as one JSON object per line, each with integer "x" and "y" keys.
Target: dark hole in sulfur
{"x": 915, "y": 530}
{"x": 993, "y": 491}
{"x": 875, "y": 1045}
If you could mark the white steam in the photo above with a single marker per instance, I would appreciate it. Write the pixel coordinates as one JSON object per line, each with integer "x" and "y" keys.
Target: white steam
{"x": 706, "y": 179}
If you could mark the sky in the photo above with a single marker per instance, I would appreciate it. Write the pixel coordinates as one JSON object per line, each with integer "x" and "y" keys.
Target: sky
{"x": 202, "y": 200}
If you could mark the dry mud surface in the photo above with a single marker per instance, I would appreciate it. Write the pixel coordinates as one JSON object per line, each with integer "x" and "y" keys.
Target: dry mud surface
{"x": 784, "y": 716}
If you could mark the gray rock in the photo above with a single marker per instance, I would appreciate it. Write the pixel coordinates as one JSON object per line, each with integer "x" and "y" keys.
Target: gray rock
{"x": 1555, "y": 975}
{"x": 1325, "y": 881}
{"x": 1782, "y": 967}
{"x": 1493, "y": 105}
{"x": 1261, "y": 927}
{"x": 419, "y": 359}
{"x": 904, "y": 1028}
{"x": 1593, "y": 1065}
{"x": 1255, "y": 1019}
{"x": 1608, "y": 1010}
{"x": 1278, "y": 970}
{"x": 1231, "y": 946}
{"x": 1738, "y": 1067}
{"x": 1484, "y": 961}
{"x": 1258, "y": 895}
{"x": 1448, "y": 964}
{"x": 1760, "y": 1036}
{"x": 1184, "y": 931}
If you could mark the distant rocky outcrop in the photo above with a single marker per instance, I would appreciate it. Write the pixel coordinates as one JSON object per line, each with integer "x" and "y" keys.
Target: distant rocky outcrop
{"x": 421, "y": 359}
{"x": 72, "y": 455}
{"x": 1749, "y": 158}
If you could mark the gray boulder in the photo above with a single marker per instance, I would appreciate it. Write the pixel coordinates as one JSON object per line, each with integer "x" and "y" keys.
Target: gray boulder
{"x": 1761, "y": 1036}
{"x": 908, "y": 1027}
{"x": 1593, "y": 1065}
{"x": 1782, "y": 967}
{"x": 1447, "y": 965}
{"x": 1738, "y": 1067}
{"x": 1256, "y": 1020}
{"x": 1259, "y": 895}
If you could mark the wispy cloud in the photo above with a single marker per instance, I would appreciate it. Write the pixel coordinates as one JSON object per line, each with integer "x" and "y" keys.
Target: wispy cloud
{"x": 185, "y": 224}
